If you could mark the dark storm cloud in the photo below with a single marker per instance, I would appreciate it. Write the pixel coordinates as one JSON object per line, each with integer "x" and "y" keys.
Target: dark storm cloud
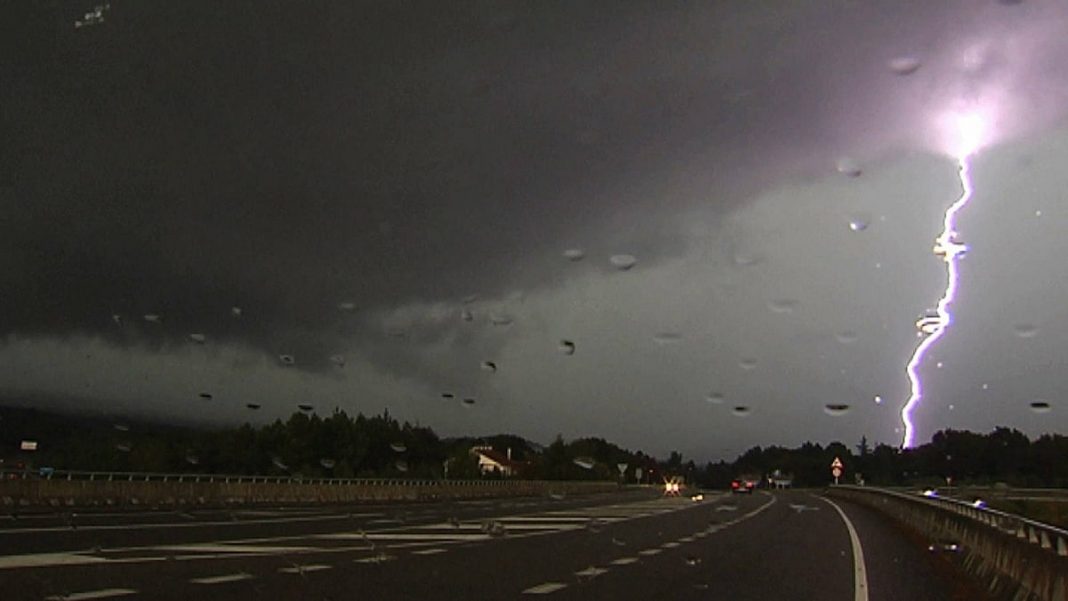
{"x": 182, "y": 159}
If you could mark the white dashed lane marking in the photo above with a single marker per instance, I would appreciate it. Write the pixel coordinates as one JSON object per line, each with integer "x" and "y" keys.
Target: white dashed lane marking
{"x": 544, "y": 588}
{"x": 222, "y": 579}
{"x": 434, "y": 551}
{"x": 315, "y": 567}
{"x": 624, "y": 561}
{"x": 590, "y": 572}
{"x": 649, "y": 552}
{"x": 86, "y": 596}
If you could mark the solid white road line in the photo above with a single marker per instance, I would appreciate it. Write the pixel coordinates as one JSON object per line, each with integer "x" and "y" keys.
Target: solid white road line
{"x": 433, "y": 551}
{"x": 101, "y": 594}
{"x": 222, "y": 579}
{"x": 860, "y": 574}
{"x": 544, "y": 588}
{"x": 35, "y": 560}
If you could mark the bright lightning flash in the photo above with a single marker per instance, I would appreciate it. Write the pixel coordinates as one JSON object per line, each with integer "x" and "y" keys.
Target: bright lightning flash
{"x": 969, "y": 130}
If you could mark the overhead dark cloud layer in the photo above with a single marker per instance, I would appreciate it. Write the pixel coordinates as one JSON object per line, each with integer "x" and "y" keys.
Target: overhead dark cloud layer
{"x": 348, "y": 175}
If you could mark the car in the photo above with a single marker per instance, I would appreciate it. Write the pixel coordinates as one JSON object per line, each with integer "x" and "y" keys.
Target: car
{"x": 743, "y": 485}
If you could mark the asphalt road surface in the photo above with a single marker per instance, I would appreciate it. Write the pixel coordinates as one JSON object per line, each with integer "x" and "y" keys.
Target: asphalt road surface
{"x": 638, "y": 545}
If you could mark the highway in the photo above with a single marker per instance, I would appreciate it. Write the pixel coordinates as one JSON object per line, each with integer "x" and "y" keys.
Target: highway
{"x": 635, "y": 545}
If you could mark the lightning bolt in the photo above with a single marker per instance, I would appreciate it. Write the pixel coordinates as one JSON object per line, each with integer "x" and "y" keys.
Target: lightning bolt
{"x": 932, "y": 327}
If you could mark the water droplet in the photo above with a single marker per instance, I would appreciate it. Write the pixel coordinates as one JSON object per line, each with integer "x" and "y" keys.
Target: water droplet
{"x": 123, "y": 447}
{"x": 197, "y": 338}
{"x": 574, "y": 254}
{"x": 236, "y": 311}
{"x": 448, "y": 395}
{"x": 116, "y": 318}
{"x": 1038, "y": 213}
{"x": 567, "y": 347}
{"x": 277, "y": 461}
{"x": 467, "y": 315}
{"x": 500, "y": 319}
{"x": 623, "y": 262}
{"x": 121, "y": 427}
{"x": 859, "y": 222}
{"x": 904, "y": 65}
{"x": 401, "y": 465}
{"x": 152, "y": 317}
{"x": 878, "y": 400}
{"x": 206, "y": 396}
{"x": 327, "y": 463}
{"x": 346, "y": 306}
{"x": 745, "y": 259}
{"x": 849, "y": 167}
{"x": 664, "y": 338}
{"x": 741, "y": 411}
{"x": 939, "y": 365}
{"x": 716, "y": 398}
{"x": 305, "y": 408}
{"x": 192, "y": 459}
{"x": 585, "y": 463}
{"x": 489, "y": 366}
{"x": 748, "y": 363}
{"x": 1025, "y": 330}
{"x": 846, "y": 336}
{"x": 986, "y": 386}
{"x": 398, "y": 447}
{"x": 470, "y": 298}
{"x": 337, "y": 360}
{"x": 952, "y": 407}
{"x": 783, "y": 305}
{"x": 286, "y": 359}
{"x": 468, "y": 402}
{"x": 692, "y": 560}
{"x": 836, "y": 409}
{"x": 1041, "y": 407}
{"x": 253, "y": 406}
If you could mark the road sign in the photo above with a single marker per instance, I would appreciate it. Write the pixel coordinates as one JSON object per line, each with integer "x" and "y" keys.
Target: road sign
{"x": 836, "y": 472}
{"x": 638, "y": 474}
{"x": 28, "y": 445}
{"x": 836, "y": 469}
{"x": 622, "y": 467}
{"x": 837, "y": 463}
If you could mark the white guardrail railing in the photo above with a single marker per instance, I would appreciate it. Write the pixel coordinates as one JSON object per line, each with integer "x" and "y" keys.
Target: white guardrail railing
{"x": 48, "y": 474}
{"x": 1045, "y": 536}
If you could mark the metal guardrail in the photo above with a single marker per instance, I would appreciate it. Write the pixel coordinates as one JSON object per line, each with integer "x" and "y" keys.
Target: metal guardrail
{"x": 24, "y": 474}
{"x": 1045, "y": 536}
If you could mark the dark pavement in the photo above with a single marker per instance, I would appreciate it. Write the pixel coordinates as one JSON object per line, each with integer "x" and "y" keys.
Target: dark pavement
{"x": 781, "y": 545}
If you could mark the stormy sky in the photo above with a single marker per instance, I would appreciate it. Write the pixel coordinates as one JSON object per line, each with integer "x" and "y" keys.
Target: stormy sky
{"x": 391, "y": 194}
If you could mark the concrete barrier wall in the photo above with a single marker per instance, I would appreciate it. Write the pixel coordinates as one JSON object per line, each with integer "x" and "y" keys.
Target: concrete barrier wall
{"x": 42, "y": 493}
{"x": 1011, "y": 567}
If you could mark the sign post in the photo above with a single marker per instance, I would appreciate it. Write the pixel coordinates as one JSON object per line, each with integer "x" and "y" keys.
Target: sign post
{"x": 836, "y": 469}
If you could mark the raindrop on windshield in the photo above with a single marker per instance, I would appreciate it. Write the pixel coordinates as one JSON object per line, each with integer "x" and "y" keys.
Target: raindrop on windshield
{"x": 500, "y": 319}
{"x": 585, "y": 463}
{"x": 904, "y": 65}
{"x": 741, "y": 411}
{"x": 253, "y": 406}
{"x": 277, "y": 461}
{"x": 567, "y": 347}
{"x": 401, "y": 465}
{"x": 744, "y": 259}
{"x": 337, "y": 360}
{"x": 623, "y": 262}
{"x": 123, "y": 447}
{"x": 1025, "y": 330}
{"x": 664, "y": 338}
{"x": 859, "y": 223}
{"x": 716, "y": 398}
{"x": 197, "y": 338}
{"x": 836, "y": 409}
{"x": 1041, "y": 407}
{"x": 748, "y": 364}
{"x": 846, "y": 336}
{"x": 347, "y": 307}
{"x": 116, "y": 318}
{"x": 327, "y": 463}
{"x": 782, "y": 305}
{"x": 574, "y": 254}
{"x": 467, "y": 315}
{"x": 152, "y": 317}
{"x": 849, "y": 167}
{"x": 305, "y": 408}
{"x": 121, "y": 427}
{"x": 192, "y": 459}
{"x": 206, "y": 396}
{"x": 236, "y": 311}
{"x": 468, "y": 402}
{"x": 398, "y": 447}
{"x": 489, "y": 366}
{"x": 286, "y": 359}
{"x": 448, "y": 395}
{"x": 878, "y": 400}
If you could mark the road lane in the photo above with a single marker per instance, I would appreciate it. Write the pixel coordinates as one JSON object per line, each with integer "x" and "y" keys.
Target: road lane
{"x": 789, "y": 545}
